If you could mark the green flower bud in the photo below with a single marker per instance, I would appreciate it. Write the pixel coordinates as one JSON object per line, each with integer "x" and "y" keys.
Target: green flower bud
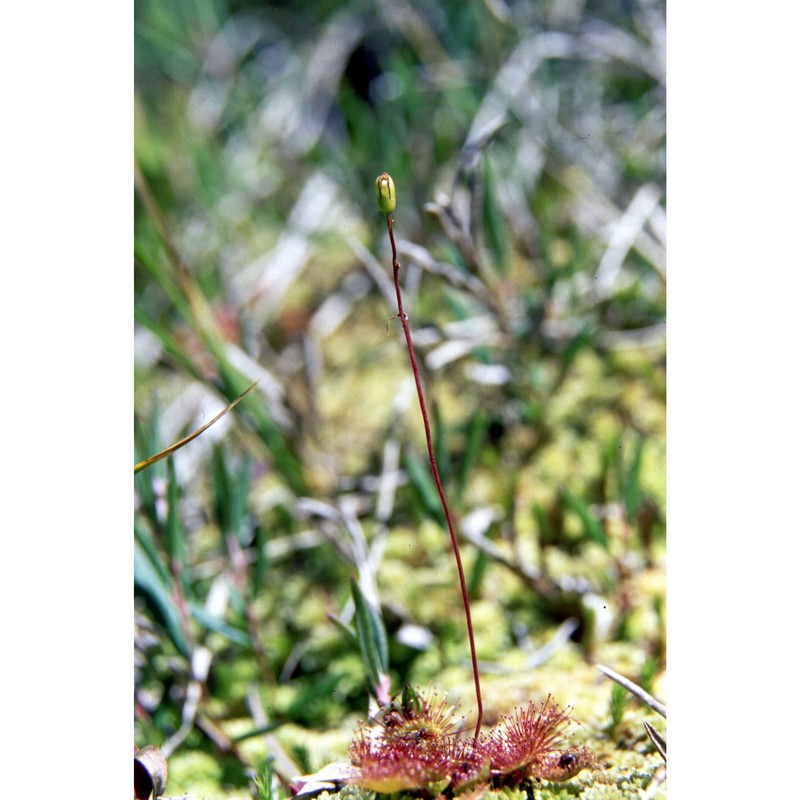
{"x": 384, "y": 187}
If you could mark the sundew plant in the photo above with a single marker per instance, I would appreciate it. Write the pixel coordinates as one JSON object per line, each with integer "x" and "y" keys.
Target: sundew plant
{"x": 400, "y": 516}
{"x": 409, "y": 744}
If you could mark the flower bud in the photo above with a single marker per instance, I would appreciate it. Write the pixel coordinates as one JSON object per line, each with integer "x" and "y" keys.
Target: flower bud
{"x": 384, "y": 187}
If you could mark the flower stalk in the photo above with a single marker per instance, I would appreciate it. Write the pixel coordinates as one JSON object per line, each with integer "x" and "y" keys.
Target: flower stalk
{"x": 387, "y": 202}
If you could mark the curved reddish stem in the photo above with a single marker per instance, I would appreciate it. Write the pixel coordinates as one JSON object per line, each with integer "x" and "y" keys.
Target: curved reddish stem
{"x": 435, "y": 470}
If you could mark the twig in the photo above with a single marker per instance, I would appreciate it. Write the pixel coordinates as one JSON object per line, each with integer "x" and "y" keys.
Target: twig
{"x": 635, "y": 690}
{"x": 548, "y": 588}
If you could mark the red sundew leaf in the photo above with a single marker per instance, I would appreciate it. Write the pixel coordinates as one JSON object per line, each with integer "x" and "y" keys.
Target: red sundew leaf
{"x": 563, "y": 765}
{"x": 409, "y": 745}
{"x": 527, "y": 735}
{"x": 468, "y": 765}
{"x": 393, "y": 765}
{"x": 415, "y": 716}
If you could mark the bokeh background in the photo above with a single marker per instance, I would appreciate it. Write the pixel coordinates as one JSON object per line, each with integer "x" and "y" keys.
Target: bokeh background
{"x": 527, "y": 144}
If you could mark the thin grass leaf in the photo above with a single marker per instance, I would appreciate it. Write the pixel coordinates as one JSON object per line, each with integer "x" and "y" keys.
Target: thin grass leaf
{"x": 262, "y": 780}
{"x": 240, "y": 495}
{"x": 583, "y": 339}
{"x": 371, "y": 636}
{"x": 475, "y": 435}
{"x": 149, "y": 581}
{"x": 145, "y": 437}
{"x": 232, "y": 384}
{"x": 647, "y": 674}
{"x": 174, "y": 534}
{"x": 231, "y": 491}
{"x": 259, "y": 571}
{"x": 617, "y": 704}
{"x": 348, "y": 630}
{"x": 440, "y": 450}
{"x": 161, "y": 276}
{"x": 630, "y": 481}
{"x": 494, "y": 226}
{"x": 476, "y": 575}
{"x": 420, "y": 478}
{"x": 146, "y": 440}
{"x": 214, "y": 623}
{"x": 259, "y": 731}
{"x": 179, "y": 354}
{"x": 143, "y": 539}
{"x": 222, "y": 486}
{"x": 592, "y": 528}
{"x": 183, "y": 442}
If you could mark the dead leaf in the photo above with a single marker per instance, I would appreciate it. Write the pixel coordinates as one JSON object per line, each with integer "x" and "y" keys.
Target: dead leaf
{"x": 177, "y": 446}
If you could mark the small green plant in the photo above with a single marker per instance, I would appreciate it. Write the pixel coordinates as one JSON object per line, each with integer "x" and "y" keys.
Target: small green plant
{"x": 263, "y": 782}
{"x": 647, "y": 674}
{"x": 617, "y": 705}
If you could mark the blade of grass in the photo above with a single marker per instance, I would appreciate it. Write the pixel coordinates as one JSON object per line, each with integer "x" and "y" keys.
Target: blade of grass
{"x": 147, "y": 577}
{"x": 592, "y": 528}
{"x": 475, "y": 435}
{"x": 214, "y": 623}
{"x": 424, "y": 486}
{"x": 493, "y": 223}
{"x": 630, "y": 481}
{"x": 372, "y": 641}
{"x": 230, "y": 494}
{"x": 174, "y": 538}
{"x": 146, "y": 440}
{"x": 147, "y": 462}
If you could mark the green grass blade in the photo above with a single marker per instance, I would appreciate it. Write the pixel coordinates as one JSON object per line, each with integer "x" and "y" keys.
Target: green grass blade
{"x": 175, "y": 538}
{"x": 475, "y": 436}
{"x": 494, "y": 225}
{"x": 212, "y": 623}
{"x": 421, "y": 480}
{"x": 371, "y": 636}
{"x": 149, "y": 580}
{"x": 592, "y": 528}
{"x": 630, "y": 479}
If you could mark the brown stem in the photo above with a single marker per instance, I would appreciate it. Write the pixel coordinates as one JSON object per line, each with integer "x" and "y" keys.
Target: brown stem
{"x": 435, "y": 470}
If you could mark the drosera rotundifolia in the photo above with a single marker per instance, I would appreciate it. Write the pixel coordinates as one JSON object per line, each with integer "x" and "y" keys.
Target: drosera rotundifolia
{"x": 412, "y": 743}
